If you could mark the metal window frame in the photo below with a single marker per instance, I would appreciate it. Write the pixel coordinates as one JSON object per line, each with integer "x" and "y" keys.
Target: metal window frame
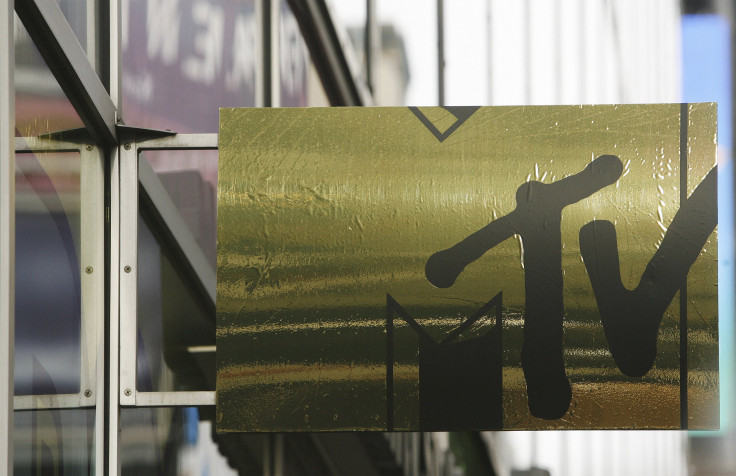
{"x": 91, "y": 271}
{"x": 7, "y": 231}
{"x": 137, "y": 179}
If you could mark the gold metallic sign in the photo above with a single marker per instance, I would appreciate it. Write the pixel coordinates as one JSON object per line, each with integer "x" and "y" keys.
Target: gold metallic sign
{"x": 467, "y": 268}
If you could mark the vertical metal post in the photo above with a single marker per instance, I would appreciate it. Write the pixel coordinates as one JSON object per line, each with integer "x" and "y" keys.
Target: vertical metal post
{"x": 441, "y": 51}
{"x": 371, "y": 46}
{"x": 127, "y": 271}
{"x": 527, "y": 53}
{"x": 108, "y": 407}
{"x": 275, "y": 64}
{"x": 7, "y": 233}
{"x": 92, "y": 179}
{"x": 490, "y": 46}
{"x": 264, "y": 53}
{"x": 112, "y": 415}
{"x": 114, "y": 16}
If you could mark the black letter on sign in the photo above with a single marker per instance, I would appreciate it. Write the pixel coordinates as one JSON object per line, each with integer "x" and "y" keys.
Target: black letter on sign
{"x": 631, "y": 318}
{"x": 536, "y": 219}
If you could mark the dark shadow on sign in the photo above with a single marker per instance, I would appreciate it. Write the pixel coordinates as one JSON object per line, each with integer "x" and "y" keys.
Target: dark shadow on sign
{"x": 460, "y": 383}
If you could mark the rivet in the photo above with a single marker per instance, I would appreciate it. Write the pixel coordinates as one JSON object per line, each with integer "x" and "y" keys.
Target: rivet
{"x": 127, "y": 269}
{"x": 90, "y": 147}
{"x": 88, "y": 393}
{"x": 127, "y": 146}
{"x": 89, "y": 270}
{"x": 128, "y": 392}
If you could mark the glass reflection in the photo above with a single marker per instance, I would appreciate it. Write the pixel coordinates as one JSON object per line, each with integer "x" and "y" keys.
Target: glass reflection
{"x": 54, "y": 442}
{"x": 174, "y": 333}
{"x": 300, "y": 83}
{"x": 182, "y": 60}
{"x": 47, "y": 331}
{"x": 156, "y": 441}
{"x": 190, "y": 178}
{"x": 40, "y": 104}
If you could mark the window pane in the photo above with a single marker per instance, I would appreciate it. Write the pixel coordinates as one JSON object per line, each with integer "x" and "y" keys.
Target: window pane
{"x": 182, "y": 60}
{"x": 300, "y": 83}
{"x": 75, "y": 13}
{"x": 40, "y": 104}
{"x": 190, "y": 178}
{"x": 54, "y": 442}
{"x": 175, "y": 336}
{"x": 48, "y": 329}
{"x": 155, "y": 441}
{"x": 47, "y": 246}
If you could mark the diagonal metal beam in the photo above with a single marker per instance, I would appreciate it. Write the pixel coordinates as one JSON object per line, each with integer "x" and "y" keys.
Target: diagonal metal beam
{"x": 328, "y": 54}
{"x": 68, "y": 62}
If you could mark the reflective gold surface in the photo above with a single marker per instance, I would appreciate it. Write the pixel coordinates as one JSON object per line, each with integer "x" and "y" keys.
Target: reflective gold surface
{"x": 322, "y": 212}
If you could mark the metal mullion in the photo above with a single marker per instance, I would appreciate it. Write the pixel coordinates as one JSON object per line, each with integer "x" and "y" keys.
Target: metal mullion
{"x": 45, "y": 402}
{"x": 92, "y": 268}
{"x": 372, "y": 46}
{"x": 68, "y": 62}
{"x": 440, "y": 53}
{"x": 263, "y": 53}
{"x": 110, "y": 464}
{"x": 128, "y": 272}
{"x": 37, "y": 144}
{"x": 92, "y": 40}
{"x": 7, "y": 233}
{"x": 177, "y": 399}
{"x": 275, "y": 63}
{"x": 114, "y": 58}
{"x": 181, "y": 142}
{"x": 97, "y": 307}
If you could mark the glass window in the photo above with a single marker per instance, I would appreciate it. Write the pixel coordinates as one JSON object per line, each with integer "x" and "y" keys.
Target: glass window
{"x": 47, "y": 247}
{"x": 40, "y": 104}
{"x": 175, "y": 336}
{"x": 190, "y": 178}
{"x": 155, "y": 441}
{"x": 54, "y": 442}
{"x": 47, "y": 331}
{"x": 182, "y": 60}
{"x": 300, "y": 84}
{"x": 50, "y": 355}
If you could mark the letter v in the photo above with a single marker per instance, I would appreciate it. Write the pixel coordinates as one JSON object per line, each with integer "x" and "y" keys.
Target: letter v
{"x": 631, "y": 319}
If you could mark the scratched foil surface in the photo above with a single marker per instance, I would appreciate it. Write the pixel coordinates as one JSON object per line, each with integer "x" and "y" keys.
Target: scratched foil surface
{"x": 467, "y": 268}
